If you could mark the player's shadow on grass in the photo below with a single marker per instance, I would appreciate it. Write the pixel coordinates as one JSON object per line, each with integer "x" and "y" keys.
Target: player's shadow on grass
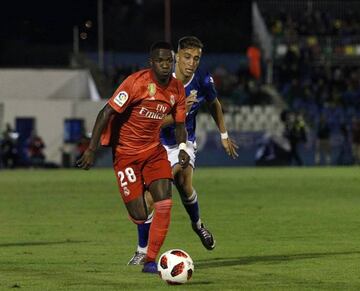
{"x": 41, "y": 243}
{"x": 223, "y": 262}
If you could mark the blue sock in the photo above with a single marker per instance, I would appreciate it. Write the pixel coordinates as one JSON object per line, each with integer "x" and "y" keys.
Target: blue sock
{"x": 192, "y": 207}
{"x": 143, "y": 234}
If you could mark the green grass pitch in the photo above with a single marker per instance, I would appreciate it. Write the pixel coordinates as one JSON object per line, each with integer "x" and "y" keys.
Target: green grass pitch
{"x": 276, "y": 229}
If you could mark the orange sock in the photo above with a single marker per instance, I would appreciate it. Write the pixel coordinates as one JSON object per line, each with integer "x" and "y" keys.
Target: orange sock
{"x": 159, "y": 228}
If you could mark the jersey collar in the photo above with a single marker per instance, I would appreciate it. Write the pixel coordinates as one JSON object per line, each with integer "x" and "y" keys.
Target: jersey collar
{"x": 187, "y": 84}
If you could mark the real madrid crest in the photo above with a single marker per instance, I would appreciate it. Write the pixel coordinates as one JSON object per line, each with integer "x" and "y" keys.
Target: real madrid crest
{"x": 172, "y": 99}
{"x": 152, "y": 89}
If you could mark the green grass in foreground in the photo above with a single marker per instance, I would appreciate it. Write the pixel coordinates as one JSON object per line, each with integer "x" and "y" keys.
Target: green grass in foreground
{"x": 276, "y": 229}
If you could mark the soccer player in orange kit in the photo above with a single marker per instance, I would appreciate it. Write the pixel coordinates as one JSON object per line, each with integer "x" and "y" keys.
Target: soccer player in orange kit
{"x": 200, "y": 89}
{"x": 130, "y": 123}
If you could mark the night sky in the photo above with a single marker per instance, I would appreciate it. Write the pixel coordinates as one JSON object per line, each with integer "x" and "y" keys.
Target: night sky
{"x": 34, "y": 30}
{"x": 44, "y": 21}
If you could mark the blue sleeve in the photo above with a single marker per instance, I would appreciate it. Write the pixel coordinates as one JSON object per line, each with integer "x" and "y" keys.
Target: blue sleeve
{"x": 209, "y": 87}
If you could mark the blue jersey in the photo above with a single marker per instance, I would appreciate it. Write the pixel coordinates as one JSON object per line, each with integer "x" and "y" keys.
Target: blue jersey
{"x": 203, "y": 85}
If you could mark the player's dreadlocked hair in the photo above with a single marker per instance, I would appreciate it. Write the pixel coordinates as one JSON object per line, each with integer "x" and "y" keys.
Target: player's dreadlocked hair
{"x": 160, "y": 45}
{"x": 189, "y": 42}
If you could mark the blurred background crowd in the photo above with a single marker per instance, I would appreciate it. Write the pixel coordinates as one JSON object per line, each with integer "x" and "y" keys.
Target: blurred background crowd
{"x": 287, "y": 73}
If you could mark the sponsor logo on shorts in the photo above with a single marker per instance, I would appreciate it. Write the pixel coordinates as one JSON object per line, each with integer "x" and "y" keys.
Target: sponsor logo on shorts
{"x": 121, "y": 98}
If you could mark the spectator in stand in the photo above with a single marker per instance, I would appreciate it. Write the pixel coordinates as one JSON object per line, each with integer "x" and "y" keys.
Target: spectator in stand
{"x": 345, "y": 153}
{"x": 8, "y": 148}
{"x": 323, "y": 147}
{"x": 35, "y": 146}
{"x": 254, "y": 58}
{"x": 295, "y": 132}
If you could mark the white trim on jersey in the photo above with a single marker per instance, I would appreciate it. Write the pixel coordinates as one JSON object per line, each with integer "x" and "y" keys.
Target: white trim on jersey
{"x": 188, "y": 83}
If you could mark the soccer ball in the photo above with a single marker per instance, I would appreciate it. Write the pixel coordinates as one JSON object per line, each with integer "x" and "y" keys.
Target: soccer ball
{"x": 175, "y": 267}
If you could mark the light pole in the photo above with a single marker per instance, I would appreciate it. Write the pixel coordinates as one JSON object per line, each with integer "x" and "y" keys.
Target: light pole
{"x": 100, "y": 41}
{"x": 76, "y": 48}
{"x": 167, "y": 17}
{"x": 100, "y": 34}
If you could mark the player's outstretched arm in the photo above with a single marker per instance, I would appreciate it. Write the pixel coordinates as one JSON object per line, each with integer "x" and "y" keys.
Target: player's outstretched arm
{"x": 228, "y": 144}
{"x": 87, "y": 159}
{"x": 181, "y": 137}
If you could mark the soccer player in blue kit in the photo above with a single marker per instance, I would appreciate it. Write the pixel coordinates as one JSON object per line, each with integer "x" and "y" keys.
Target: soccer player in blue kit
{"x": 199, "y": 88}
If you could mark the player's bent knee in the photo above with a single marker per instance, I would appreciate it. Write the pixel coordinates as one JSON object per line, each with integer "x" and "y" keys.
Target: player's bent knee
{"x": 137, "y": 221}
{"x": 184, "y": 187}
{"x": 137, "y": 210}
{"x": 160, "y": 190}
{"x": 184, "y": 190}
{"x": 137, "y": 216}
{"x": 149, "y": 201}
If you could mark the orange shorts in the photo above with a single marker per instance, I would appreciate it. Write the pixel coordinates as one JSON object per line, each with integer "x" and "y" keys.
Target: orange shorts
{"x": 135, "y": 172}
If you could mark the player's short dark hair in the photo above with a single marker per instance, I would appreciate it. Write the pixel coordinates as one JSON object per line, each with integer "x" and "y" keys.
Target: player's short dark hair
{"x": 160, "y": 45}
{"x": 189, "y": 42}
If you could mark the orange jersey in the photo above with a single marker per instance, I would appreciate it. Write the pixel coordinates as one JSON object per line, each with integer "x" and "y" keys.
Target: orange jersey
{"x": 142, "y": 104}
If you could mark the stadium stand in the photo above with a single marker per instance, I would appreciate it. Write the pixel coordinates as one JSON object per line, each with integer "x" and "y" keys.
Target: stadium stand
{"x": 316, "y": 56}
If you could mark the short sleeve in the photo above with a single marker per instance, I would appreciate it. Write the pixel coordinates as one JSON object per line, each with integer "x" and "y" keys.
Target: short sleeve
{"x": 123, "y": 95}
{"x": 179, "y": 112}
{"x": 209, "y": 86}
